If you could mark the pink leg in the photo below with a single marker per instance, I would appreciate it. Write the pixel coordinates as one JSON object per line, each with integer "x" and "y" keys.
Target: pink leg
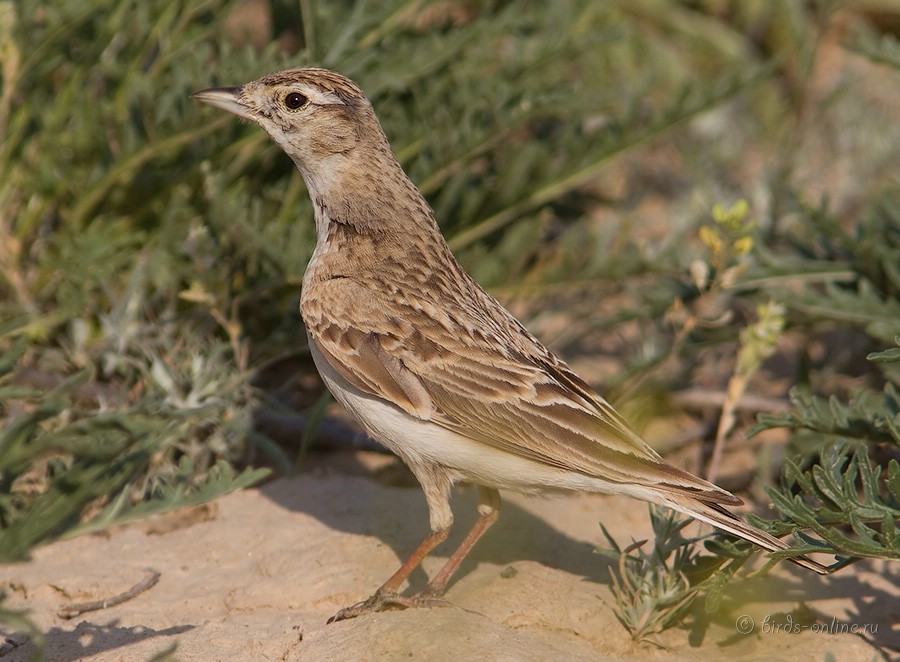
{"x": 396, "y": 580}
{"x": 387, "y": 595}
{"x": 489, "y": 511}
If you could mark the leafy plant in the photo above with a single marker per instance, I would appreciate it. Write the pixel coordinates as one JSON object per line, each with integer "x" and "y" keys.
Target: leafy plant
{"x": 651, "y": 587}
{"x": 845, "y": 490}
{"x": 848, "y": 504}
{"x": 65, "y": 473}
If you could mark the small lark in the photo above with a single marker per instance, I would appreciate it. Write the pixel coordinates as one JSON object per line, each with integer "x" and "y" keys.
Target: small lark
{"x": 432, "y": 366}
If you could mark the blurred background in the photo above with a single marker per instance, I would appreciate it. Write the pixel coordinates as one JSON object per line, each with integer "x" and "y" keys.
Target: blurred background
{"x": 696, "y": 203}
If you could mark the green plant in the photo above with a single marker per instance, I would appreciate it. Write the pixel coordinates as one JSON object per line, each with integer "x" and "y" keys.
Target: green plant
{"x": 65, "y": 473}
{"x": 651, "y": 587}
{"x": 833, "y": 499}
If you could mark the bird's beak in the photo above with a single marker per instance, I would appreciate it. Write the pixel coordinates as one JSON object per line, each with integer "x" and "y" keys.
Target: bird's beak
{"x": 226, "y": 98}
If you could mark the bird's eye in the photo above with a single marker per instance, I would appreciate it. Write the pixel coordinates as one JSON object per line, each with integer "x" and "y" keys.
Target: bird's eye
{"x": 295, "y": 101}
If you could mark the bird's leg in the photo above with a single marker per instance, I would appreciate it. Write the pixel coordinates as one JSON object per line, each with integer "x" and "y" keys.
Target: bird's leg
{"x": 488, "y": 511}
{"x": 387, "y": 595}
{"x": 431, "y": 541}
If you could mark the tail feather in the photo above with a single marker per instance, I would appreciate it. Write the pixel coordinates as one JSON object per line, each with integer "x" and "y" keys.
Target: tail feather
{"x": 720, "y": 517}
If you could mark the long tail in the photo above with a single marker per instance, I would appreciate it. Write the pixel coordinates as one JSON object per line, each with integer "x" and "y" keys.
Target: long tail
{"x": 718, "y": 516}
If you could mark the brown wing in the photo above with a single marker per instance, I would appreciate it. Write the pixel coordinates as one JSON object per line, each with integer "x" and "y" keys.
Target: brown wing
{"x": 471, "y": 367}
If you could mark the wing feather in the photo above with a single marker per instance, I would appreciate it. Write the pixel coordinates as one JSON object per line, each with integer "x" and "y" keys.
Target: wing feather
{"x": 487, "y": 378}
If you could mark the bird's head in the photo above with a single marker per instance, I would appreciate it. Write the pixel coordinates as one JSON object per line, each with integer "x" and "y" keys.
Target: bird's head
{"x": 327, "y": 126}
{"x": 319, "y": 118}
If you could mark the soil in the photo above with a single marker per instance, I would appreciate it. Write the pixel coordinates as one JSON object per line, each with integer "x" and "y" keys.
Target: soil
{"x": 257, "y": 574}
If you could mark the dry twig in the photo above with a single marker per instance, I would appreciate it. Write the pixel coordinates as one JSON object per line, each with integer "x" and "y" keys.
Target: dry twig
{"x": 75, "y": 609}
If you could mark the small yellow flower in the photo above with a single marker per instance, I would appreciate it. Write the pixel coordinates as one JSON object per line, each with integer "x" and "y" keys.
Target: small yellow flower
{"x": 711, "y": 239}
{"x": 742, "y": 246}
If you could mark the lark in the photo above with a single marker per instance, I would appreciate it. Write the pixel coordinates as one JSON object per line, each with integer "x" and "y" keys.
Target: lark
{"x": 431, "y": 365}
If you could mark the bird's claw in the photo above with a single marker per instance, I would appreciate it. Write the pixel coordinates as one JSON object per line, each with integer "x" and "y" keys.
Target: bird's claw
{"x": 383, "y": 600}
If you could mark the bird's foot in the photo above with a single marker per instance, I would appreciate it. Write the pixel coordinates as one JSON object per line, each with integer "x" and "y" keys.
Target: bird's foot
{"x": 383, "y": 600}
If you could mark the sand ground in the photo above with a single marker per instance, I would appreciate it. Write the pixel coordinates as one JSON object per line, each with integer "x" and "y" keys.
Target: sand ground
{"x": 255, "y": 576}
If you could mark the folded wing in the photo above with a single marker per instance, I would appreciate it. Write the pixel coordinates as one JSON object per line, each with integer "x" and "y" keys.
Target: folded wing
{"x": 485, "y": 377}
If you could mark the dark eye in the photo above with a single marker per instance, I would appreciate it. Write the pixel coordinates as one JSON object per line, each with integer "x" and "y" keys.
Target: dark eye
{"x": 295, "y": 101}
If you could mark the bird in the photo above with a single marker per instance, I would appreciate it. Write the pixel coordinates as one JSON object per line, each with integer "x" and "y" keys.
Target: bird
{"x": 431, "y": 365}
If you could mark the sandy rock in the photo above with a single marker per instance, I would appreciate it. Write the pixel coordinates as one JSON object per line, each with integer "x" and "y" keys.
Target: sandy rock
{"x": 257, "y": 575}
